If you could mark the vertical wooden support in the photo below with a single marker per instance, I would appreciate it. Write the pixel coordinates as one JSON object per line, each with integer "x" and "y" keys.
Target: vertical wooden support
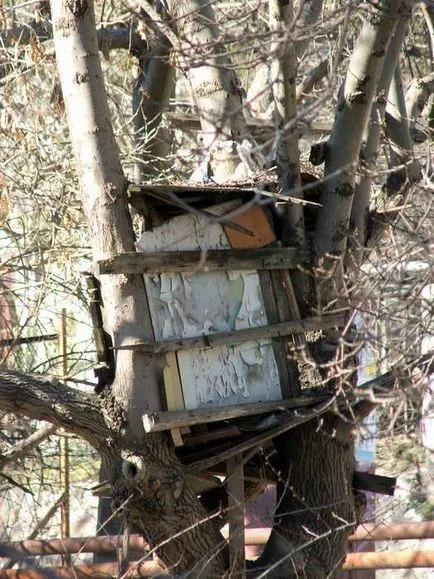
{"x": 173, "y": 388}
{"x": 64, "y": 447}
{"x": 235, "y": 490}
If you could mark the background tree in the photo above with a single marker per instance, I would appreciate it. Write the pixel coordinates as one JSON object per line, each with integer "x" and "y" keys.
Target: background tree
{"x": 202, "y": 39}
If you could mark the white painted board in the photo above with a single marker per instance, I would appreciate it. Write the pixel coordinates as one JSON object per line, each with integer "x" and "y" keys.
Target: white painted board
{"x": 202, "y": 303}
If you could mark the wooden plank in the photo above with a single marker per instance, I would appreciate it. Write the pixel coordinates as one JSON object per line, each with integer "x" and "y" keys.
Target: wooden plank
{"x": 362, "y": 481}
{"x": 259, "y": 440}
{"x": 238, "y": 336}
{"x": 257, "y": 220}
{"x": 206, "y": 260}
{"x": 184, "y": 197}
{"x": 253, "y": 218}
{"x": 374, "y": 483}
{"x": 218, "y": 434}
{"x": 173, "y": 389}
{"x": 259, "y": 128}
{"x": 158, "y": 421}
{"x": 235, "y": 489}
{"x": 284, "y": 313}
{"x": 288, "y": 381}
{"x": 187, "y": 306}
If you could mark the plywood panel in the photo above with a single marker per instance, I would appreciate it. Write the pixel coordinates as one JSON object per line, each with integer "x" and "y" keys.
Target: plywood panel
{"x": 255, "y": 220}
{"x": 202, "y": 303}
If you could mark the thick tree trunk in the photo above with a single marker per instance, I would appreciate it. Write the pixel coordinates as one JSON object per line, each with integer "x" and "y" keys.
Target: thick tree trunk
{"x": 104, "y": 189}
{"x": 343, "y": 148}
{"x": 371, "y": 139}
{"x": 317, "y": 508}
{"x": 151, "y": 93}
{"x": 160, "y": 503}
{"x": 214, "y": 85}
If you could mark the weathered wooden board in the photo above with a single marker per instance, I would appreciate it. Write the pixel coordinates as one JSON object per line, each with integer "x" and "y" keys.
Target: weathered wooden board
{"x": 173, "y": 391}
{"x": 214, "y": 259}
{"x": 202, "y": 303}
{"x": 281, "y": 329}
{"x": 157, "y": 421}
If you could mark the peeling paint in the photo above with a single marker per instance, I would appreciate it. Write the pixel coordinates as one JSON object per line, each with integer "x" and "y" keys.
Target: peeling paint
{"x": 202, "y": 303}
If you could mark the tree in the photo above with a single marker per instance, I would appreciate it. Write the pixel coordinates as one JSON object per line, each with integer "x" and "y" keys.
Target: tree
{"x": 150, "y": 486}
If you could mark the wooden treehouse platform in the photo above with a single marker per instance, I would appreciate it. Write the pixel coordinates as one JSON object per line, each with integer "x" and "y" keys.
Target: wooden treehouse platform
{"x": 220, "y": 297}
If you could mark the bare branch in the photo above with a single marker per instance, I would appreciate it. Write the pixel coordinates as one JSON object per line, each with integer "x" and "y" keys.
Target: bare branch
{"x": 27, "y": 445}
{"x": 372, "y": 135}
{"x": 350, "y": 121}
{"x": 50, "y": 400}
{"x": 111, "y": 37}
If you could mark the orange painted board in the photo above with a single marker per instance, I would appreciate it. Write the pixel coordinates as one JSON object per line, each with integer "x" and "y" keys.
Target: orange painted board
{"x": 255, "y": 219}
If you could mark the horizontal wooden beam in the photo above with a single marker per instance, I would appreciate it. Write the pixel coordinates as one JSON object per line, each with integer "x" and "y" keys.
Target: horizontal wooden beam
{"x": 259, "y": 128}
{"x": 374, "y": 483}
{"x": 209, "y": 260}
{"x": 158, "y": 421}
{"x": 258, "y": 440}
{"x": 280, "y": 329}
{"x": 28, "y": 340}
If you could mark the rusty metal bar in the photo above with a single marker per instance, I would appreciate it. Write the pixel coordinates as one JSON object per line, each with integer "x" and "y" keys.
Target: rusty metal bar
{"x": 365, "y": 560}
{"x": 101, "y": 545}
{"x": 259, "y": 536}
{"x": 393, "y": 532}
{"x": 389, "y": 560}
{"x": 99, "y": 570}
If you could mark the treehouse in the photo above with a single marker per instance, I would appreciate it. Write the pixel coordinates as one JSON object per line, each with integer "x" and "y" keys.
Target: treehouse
{"x": 226, "y": 331}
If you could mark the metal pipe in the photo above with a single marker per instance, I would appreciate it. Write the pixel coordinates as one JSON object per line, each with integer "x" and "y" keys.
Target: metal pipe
{"x": 393, "y": 532}
{"x": 389, "y": 560}
{"x": 99, "y": 570}
{"x": 364, "y": 560}
{"x": 109, "y": 544}
{"x": 259, "y": 536}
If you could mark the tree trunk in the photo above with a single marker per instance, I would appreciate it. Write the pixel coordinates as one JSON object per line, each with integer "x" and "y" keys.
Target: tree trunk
{"x": 346, "y": 138}
{"x": 344, "y": 145}
{"x": 151, "y": 93}
{"x": 155, "y": 483}
{"x": 371, "y": 138}
{"x": 213, "y": 83}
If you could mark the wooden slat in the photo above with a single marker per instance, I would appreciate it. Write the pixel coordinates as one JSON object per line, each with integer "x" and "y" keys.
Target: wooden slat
{"x": 173, "y": 389}
{"x": 200, "y": 196}
{"x": 158, "y": 421}
{"x": 258, "y": 440}
{"x": 210, "y": 260}
{"x": 211, "y": 436}
{"x": 238, "y": 336}
{"x": 259, "y": 128}
{"x": 374, "y": 483}
{"x": 254, "y": 218}
{"x": 288, "y": 385}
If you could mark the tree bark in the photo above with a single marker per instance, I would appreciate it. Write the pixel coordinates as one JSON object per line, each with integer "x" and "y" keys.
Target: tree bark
{"x": 213, "y": 82}
{"x": 345, "y": 142}
{"x": 317, "y": 508}
{"x": 151, "y": 93}
{"x": 371, "y": 139}
{"x": 350, "y": 121}
{"x": 401, "y": 143}
{"x": 153, "y": 481}
{"x": 283, "y": 78}
{"x": 308, "y": 14}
